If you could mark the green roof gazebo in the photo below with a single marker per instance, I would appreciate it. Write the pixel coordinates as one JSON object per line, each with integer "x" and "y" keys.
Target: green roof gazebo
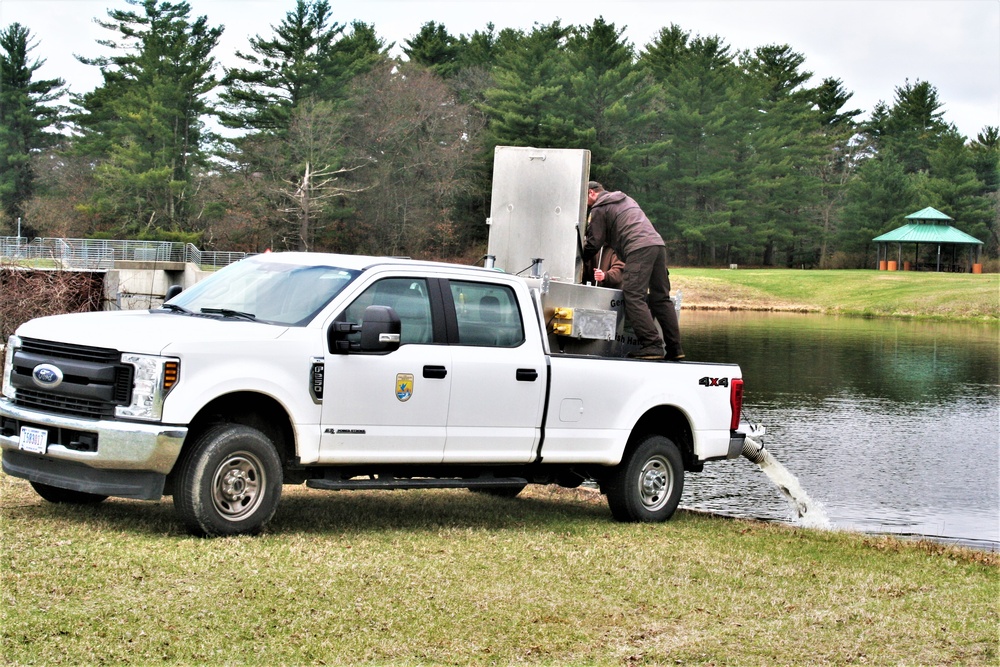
{"x": 929, "y": 227}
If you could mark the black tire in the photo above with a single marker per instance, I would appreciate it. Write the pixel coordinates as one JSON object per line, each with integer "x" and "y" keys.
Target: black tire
{"x": 54, "y": 494}
{"x": 229, "y": 483}
{"x": 499, "y": 491}
{"x": 647, "y": 485}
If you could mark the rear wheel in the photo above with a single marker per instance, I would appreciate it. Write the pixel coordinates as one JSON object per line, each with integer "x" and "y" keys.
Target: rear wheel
{"x": 229, "y": 482}
{"x": 55, "y": 494}
{"x": 647, "y": 484}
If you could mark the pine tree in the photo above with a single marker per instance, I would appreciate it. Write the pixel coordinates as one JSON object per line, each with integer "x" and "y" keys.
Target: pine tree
{"x": 986, "y": 158}
{"x": 687, "y": 158}
{"x": 913, "y": 125}
{"x": 830, "y": 98}
{"x": 839, "y": 128}
{"x": 144, "y": 123}
{"x": 877, "y": 202}
{"x": 787, "y": 147}
{"x": 606, "y": 91}
{"x": 986, "y": 163}
{"x": 480, "y": 49}
{"x": 953, "y": 187}
{"x": 309, "y": 57}
{"x": 25, "y": 118}
{"x": 524, "y": 101}
{"x": 434, "y": 48}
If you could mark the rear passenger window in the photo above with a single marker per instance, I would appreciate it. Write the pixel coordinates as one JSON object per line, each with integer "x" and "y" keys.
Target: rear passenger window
{"x": 487, "y": 315}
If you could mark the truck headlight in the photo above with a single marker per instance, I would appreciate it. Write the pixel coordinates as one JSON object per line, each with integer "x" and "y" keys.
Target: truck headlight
{"x": 153, "y": 379}
{"x": 7, "y": 389}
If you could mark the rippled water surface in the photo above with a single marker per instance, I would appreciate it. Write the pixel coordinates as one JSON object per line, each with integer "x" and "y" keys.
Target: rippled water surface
{"x": 891, "y": 426}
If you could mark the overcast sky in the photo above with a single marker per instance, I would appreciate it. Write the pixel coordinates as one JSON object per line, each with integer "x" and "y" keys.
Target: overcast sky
{"x": 873, "y": 46}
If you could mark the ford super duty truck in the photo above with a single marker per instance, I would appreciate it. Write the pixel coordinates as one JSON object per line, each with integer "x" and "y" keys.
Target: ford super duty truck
{"x": 350, "y": 372}
{"x": 347, "y": 372}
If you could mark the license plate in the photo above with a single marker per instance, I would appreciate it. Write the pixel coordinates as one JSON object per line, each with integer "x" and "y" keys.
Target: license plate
{"x": 34, "y": 440}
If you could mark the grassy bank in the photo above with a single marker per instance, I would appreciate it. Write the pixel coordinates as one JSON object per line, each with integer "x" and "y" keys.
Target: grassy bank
{"x": 951, "y": 296}
{"x": 451, "y": 577}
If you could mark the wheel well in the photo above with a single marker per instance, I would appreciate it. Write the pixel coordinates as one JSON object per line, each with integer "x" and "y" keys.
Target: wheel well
{"x": 668, "y": 421}
{"x": 255, "y": 410}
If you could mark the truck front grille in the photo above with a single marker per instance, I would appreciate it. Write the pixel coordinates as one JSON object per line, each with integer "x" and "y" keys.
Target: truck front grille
{"x": 95, "y": 380}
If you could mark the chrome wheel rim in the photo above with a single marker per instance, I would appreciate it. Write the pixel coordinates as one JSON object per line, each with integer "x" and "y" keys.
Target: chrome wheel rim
{"x": 238, "y": 486}
{"x": 655, "y": 483}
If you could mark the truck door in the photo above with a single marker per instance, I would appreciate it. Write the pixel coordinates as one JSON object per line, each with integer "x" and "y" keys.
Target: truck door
{"x": 498, "y": 376}
{"x": 388, "y": 407}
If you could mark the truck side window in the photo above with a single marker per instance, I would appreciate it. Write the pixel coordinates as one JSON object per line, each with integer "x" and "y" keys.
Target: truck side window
{"x": 407, "y": 296}
{"x": 487, "y": 315}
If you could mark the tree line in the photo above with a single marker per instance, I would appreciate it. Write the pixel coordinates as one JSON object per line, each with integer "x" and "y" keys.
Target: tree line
{"x": 320, "y": 140}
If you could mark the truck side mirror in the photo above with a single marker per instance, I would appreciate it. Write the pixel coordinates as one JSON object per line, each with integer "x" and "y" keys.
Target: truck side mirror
{"x": 380, "y": 330}
{"x": 172, "y": 291}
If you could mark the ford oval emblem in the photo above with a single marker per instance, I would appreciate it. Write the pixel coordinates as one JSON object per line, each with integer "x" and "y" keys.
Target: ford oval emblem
{"x": 47, "y": 376}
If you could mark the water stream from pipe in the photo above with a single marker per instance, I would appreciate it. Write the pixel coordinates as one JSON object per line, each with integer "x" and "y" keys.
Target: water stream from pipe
{"x": 809, "y": 512}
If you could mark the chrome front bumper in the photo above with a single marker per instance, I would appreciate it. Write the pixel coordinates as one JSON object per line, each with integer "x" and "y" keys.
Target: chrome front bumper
{"x": 120, "y": 445}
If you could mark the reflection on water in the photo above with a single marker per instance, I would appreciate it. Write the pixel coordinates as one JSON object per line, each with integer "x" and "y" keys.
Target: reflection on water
{"x": 892, "y": 426}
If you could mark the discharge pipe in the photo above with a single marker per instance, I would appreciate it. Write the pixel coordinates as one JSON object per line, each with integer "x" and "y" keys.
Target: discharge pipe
{"x": 753, "y": 449}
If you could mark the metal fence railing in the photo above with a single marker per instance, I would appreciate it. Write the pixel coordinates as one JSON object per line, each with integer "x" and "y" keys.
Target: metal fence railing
{"x": 98, "y": 254}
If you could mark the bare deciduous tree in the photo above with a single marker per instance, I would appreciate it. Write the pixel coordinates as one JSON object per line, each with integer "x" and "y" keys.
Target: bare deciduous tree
{"x": 421, "y": 142}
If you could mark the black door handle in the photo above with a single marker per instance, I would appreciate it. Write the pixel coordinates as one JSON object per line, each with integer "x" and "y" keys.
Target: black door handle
{"x": 527, "y": 375}
{"x": 435, "y": 372}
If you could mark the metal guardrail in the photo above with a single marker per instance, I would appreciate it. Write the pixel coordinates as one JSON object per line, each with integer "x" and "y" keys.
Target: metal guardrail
{"x": 97, "y": 254}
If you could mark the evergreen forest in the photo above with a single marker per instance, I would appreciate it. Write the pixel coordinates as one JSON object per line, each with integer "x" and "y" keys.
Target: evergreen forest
{"x": 320, "y": 140}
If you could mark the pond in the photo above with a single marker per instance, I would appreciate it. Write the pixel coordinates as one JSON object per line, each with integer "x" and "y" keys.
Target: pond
{"x": 891, "y": 426}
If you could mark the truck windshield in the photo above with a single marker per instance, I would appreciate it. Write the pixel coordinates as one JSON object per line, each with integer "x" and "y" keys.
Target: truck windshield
{"x": 271, "y": 292}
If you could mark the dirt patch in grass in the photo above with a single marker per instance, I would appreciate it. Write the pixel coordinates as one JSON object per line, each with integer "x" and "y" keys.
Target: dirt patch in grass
{"x": 711, "y": 294}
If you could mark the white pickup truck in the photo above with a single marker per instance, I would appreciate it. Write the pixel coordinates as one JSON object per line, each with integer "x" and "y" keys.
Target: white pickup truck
{"x": 349, "y": 372}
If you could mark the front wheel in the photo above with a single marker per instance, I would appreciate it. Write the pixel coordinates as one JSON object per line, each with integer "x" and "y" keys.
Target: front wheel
{"x": 229, "y": 483}
{"x": 647, "y": 485}
{"x": 55, "y": 494}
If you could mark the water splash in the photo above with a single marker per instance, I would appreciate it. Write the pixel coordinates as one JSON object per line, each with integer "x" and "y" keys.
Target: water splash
{"x": 809, "y": 512}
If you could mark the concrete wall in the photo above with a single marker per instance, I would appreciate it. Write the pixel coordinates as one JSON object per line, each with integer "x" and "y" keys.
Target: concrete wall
{"x": 141, "y": 285}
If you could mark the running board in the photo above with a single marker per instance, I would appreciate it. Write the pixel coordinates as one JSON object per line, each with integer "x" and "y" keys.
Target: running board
{"x": 385, "y": 482}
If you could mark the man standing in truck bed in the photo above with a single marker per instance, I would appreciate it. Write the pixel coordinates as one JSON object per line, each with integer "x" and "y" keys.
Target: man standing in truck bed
{"x": 617, "y": 220}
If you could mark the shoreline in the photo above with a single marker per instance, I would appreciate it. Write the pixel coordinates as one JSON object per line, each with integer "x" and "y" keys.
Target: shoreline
{"x": 817, "y": 310}
{"x": 867, "y": 294}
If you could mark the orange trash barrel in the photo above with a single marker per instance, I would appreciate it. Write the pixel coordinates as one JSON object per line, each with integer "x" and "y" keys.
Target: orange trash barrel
{"x": 906, "y": 266}
{"x": 892, "y": 265}
{"x": 881, "y": 265}
{"x": 977, "y": 268}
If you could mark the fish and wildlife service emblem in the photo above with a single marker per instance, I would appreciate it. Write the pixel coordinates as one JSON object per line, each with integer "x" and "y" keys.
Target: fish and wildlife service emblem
{"x": 404, "y": 386}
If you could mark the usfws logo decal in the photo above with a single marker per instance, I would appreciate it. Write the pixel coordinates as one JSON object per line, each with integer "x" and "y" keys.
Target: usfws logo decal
{"x": 404, "y": 386}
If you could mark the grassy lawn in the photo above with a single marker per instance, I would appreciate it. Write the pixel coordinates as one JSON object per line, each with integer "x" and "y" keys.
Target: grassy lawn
{"x": 953, "y": 296}
{"x": 451, "y": 577}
